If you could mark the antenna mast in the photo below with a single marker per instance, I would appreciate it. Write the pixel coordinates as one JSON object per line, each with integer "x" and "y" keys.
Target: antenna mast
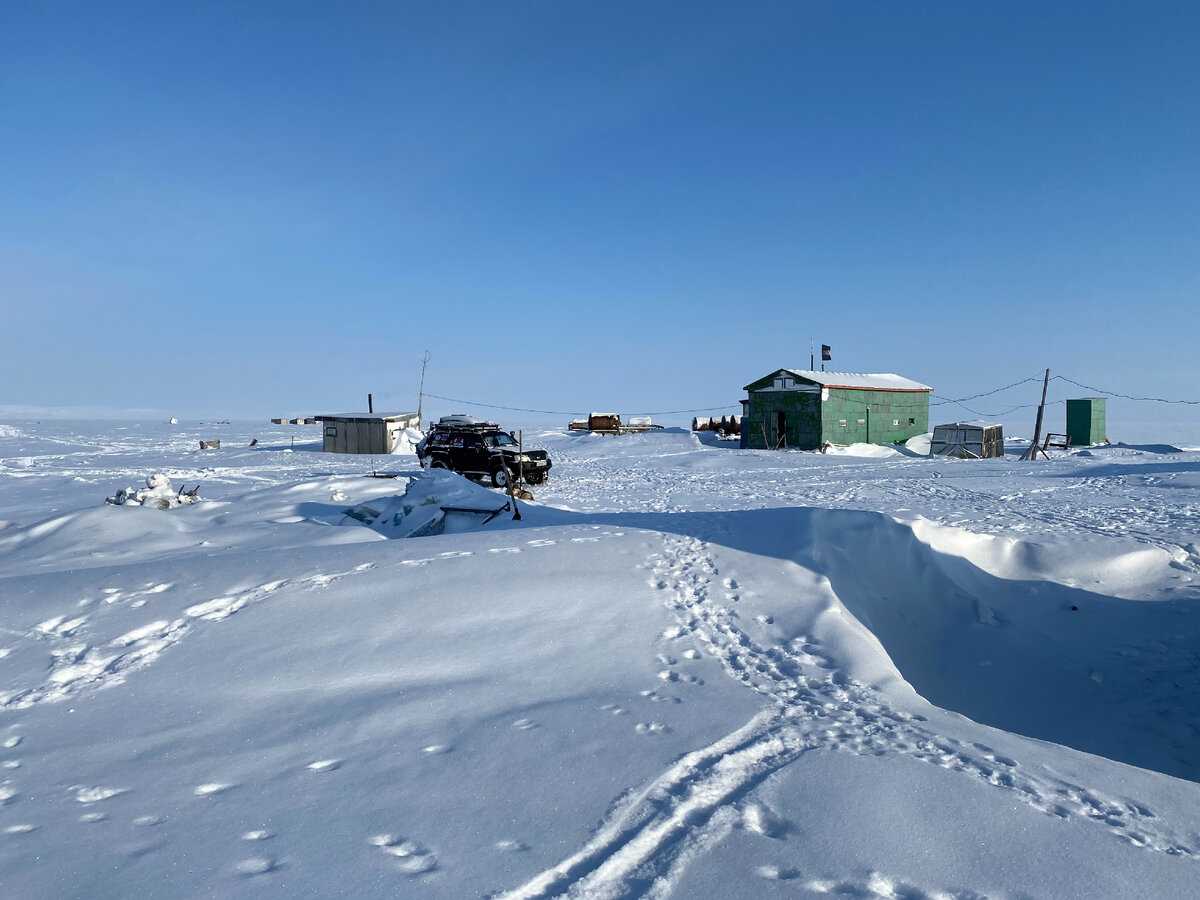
{"x": 421, "y": 385}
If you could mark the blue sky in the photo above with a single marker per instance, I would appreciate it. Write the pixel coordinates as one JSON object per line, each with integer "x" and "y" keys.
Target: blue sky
{"x": 251, "y": 211}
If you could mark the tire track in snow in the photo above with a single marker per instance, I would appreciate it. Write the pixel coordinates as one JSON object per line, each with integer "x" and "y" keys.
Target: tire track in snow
{"x": 640, "y": 846}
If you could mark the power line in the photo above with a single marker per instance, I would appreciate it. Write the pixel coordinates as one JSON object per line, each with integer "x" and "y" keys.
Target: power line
{"x": 936, "y": 400}
{"x": 1088, "y": 387}
{"x": 560, "y": 412}
{"x": 993, "y": 391}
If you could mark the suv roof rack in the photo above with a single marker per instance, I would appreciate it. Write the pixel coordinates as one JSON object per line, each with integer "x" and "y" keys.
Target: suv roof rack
{"x": 451, "y": 423}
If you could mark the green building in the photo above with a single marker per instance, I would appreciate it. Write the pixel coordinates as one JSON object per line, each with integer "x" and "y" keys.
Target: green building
{"x": 1086, "y": 421}
{"x": 804, "y": 410}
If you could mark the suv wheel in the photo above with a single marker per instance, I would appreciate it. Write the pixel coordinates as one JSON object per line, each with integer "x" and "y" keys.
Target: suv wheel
{"x": 437, "y": 464}
{"x": 500, "y": 478}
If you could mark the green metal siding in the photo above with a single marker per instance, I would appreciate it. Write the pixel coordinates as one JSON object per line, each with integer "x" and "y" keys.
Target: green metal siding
{"x": 1086, "y": 421}
{"x": 873, "y": 417}
{"x": 802, "y": 420}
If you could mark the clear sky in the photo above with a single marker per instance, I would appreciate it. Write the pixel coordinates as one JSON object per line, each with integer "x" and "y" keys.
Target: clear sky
{"x": 254, "y": 209}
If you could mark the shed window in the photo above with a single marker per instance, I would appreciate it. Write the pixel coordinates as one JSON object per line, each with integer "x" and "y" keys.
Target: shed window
{"x": 842, "y": 422}
{"x": 784, "y": 383}
{"x": 895, "y": 422}
{"x": 862, "y": 421}
{"x": 912, "y": 421}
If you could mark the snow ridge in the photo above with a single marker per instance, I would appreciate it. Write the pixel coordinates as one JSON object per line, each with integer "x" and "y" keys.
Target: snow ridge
{"x": 641, "y": 845}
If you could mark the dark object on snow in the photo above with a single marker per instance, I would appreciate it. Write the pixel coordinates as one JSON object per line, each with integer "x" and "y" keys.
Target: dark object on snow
{"x": 213, "y": 444}
{"x": 481, "y": 450}
{"x": 1056, "y": 442}
{"x": 254, "y": 442}
{"x": 967, "y": 440}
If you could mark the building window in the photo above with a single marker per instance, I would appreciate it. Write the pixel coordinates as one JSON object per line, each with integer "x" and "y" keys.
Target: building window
{"x": 842, "y": 422}
{"x": 912, "y": 421}
{"x": 895, "y": 422}
{"x": 862, "y": 421}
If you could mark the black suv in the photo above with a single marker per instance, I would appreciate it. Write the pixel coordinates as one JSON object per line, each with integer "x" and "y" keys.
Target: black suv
{"x": 479, "y": 450}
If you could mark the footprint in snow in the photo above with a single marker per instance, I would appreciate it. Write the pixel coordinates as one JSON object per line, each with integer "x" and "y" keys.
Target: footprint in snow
{"x": 542, "y": 543}
{"x": 508, "y": 846}
{"x": 211, "y": 789}
{"x": 786, "y": 873}
{"x": 255, "y": 865}
{"x": 257, "y": 835}
{"x": 524, "y": 724}
{"x": 147, "y": 821}
{"x": 765, "y": 620}
{"x": 651, "y": 728}
{"x": 22, "y": 828}
{"x": 691, "y": 654}
{"x": 504, "y": 550}
{"x": 96, "y": 794}
{"x": 436, "y": 749}
{"x": 93, "y": 817}
{"x": 14, "y": 741}
{"x": 414, "y": 859}
{"x": 324, "y": 765}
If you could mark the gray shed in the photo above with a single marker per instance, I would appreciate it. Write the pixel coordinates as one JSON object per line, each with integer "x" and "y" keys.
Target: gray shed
{"x": 363, "y": 432}
{"x": 967, "y": 440}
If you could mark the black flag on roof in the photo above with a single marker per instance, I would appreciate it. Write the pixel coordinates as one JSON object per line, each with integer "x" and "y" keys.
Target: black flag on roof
{"x": 826, "y": 353}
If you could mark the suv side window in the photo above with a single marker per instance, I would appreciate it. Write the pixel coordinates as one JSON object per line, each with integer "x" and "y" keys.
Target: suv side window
{"x": 456, "y": 441}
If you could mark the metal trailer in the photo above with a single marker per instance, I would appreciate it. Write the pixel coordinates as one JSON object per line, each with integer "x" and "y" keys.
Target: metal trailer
{"x": 610, "y": 423}
{"x": 377, "y": 433}
{"x": 968, "y": 440}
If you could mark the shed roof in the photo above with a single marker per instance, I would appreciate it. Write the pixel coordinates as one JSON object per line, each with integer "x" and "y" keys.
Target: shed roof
{"x": 877, "y": 381}
{"x": 386, "y": 416}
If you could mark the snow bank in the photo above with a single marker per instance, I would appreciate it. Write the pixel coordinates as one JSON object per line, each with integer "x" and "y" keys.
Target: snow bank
{"x": 435, "y": 501}
{"x": 407, "y": 440}
{"x": 919, "y": 444}
{"x": 10, "y": 431}
{"x": 865, "y": 451}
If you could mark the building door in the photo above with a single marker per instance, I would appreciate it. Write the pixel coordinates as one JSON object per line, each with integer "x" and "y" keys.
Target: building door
{"x": 780, "y": 429}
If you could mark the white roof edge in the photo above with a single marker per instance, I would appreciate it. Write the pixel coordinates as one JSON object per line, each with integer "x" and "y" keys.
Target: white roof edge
{"x": 864, "y": 380}
{"x": 367, "y": 415}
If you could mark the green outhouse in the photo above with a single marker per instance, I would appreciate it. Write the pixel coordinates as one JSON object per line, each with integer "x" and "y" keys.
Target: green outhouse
{"x": 1086, "y": 422}
{"x": 801, "y": 409}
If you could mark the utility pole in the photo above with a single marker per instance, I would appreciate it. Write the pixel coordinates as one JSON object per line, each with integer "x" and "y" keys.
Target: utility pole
{"x": 812, "y": 356}
{"x": 421, "y": 386}
{"x": 1032, "y": 452}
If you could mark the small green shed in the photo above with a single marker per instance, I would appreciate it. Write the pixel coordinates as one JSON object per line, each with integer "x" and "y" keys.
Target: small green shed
{"x": 1086, "y": 421}
{"x": 802, "y": 409}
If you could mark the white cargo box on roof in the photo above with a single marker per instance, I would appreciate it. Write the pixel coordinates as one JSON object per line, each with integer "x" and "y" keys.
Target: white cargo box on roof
{"x": 458, "y": 419}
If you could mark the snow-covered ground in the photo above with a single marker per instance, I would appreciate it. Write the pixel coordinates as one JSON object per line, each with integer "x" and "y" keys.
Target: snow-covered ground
{"x": 689, "y": 670}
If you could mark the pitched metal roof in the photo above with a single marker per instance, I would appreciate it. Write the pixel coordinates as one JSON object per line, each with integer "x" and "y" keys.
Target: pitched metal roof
{"x": 366, "y": 415}
{"x": 876, "y": 381}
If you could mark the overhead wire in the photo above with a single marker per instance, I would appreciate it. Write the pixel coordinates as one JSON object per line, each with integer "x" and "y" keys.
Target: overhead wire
{"x": 936, "y": 400}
